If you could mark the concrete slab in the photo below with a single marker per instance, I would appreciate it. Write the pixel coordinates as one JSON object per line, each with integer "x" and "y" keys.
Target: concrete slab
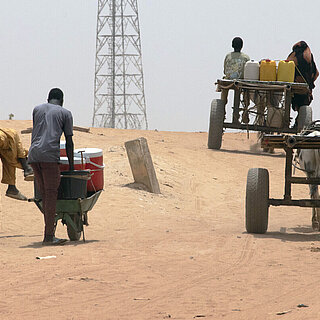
{"x": 141, "y": 164}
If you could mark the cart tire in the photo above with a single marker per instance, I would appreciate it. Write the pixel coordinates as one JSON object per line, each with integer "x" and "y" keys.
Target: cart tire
{"x": 216, "y": 124}
{"x": 304, "y": 117}
{"x": 73, "y": 234}
{"x": 257, "y": 197}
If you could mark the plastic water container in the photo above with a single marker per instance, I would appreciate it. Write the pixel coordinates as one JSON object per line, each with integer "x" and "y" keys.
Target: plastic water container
{"x": 63, "y": 152}
{"x": 64, "y": 164}
{"x": 286, "y": 71}
{"x": 94, "y": 163}
{"x": 251, "y": 70}
{"x": 73, "y": 184}
{"x": 268, "y": 70}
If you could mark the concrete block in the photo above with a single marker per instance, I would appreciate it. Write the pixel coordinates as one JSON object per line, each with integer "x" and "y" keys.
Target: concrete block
{"x": 141, "y": 164}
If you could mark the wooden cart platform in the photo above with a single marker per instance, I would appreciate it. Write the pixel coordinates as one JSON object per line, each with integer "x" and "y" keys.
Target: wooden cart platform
{"x": 243, "y": 92}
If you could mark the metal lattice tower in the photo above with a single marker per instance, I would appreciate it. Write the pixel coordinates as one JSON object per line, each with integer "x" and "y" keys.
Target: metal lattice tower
{"x": 119, "y": 100}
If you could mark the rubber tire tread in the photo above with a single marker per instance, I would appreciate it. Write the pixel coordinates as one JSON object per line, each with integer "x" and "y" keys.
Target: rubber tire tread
{"x": 72, "y": 234}
{"x": 304, "y": 117}
{"x": 257, "y": 197}
{"x": 217, "y": 114}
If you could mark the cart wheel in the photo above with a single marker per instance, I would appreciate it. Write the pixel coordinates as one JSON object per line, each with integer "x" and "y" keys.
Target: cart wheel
{"x": 304, "y": 117}
{"x": 216, "y": 124}
{"x": 257, "y": 196}
{"x": 73, "y": 234}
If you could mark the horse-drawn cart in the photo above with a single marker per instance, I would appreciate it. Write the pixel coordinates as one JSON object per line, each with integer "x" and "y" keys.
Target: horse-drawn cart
{"x": 260, "y": 104}
{"x": 257, "y": 192}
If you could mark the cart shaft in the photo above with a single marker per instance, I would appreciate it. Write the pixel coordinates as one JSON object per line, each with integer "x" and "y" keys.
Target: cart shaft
{"x": 309, "y": 203}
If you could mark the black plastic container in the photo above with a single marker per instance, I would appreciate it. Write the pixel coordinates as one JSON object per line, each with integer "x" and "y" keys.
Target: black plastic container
{"x": 73, "y": 185}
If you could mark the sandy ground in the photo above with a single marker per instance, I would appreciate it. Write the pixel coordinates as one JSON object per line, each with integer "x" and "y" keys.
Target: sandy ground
{"x": 183, "y": 254}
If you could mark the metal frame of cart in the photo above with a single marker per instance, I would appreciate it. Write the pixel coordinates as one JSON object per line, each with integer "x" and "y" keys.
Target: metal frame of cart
{"x": 73, "y": 213}
{"x": 257, "y": 191}
{"x": 241, "y": 102}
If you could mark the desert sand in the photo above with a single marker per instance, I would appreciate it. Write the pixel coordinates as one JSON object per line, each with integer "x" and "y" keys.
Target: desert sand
{"x": 183, "y": 254}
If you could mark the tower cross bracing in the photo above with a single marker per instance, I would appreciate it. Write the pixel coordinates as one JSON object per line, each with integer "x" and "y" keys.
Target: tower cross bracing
{"x": 119, "y": 99}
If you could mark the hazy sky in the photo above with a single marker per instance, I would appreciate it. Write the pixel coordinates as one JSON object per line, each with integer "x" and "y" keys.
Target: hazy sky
{"x": 47, "y": 43}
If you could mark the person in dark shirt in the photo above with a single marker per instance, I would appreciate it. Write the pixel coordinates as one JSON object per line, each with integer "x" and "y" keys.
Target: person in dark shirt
{"x": 50, "y": 120}
{"x": 306, "y": 72}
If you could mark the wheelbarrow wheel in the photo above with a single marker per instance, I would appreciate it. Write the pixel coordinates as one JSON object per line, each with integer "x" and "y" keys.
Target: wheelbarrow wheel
{"x": 74, "y": 235}
{"x": 217, "y": 114}
{"x": 304, "y": 117}
{"x": 257, "y": 197}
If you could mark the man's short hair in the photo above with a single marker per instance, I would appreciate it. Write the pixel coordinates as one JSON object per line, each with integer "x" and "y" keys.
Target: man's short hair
{"x": 55, "y": 93}
{"x": 237, "y": 43}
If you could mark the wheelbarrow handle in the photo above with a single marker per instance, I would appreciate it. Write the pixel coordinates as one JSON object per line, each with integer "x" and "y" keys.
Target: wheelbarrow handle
{"x": 77, "y": 177}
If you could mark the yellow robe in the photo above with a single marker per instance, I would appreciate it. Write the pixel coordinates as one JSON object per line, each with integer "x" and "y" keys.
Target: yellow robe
{"x": 10, "y": 150}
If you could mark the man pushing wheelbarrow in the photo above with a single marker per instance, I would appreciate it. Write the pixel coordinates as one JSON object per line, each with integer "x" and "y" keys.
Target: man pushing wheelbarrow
{"x": 50, "y": 120}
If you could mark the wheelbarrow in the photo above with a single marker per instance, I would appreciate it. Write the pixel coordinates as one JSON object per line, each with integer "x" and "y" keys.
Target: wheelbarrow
{"x": 72, "y": 212}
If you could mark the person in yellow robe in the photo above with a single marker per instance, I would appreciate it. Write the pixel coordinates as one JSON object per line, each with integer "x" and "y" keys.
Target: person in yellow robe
{"x": 13, "y": 156}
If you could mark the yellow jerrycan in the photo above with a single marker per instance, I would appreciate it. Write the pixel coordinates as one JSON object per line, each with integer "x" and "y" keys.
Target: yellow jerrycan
{"x": 268, "y": 70}
{"x": 286, "y": 71}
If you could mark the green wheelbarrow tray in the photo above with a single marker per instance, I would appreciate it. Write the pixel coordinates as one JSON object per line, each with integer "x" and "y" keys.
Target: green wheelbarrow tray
{"x": 73, "y": 213}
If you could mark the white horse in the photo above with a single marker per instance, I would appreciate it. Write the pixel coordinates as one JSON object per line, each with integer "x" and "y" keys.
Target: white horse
{"x": 309, "y": 161}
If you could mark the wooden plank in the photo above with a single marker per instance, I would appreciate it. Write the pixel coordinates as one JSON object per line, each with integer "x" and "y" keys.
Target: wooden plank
{"x": 291, "y": 141}
{"x": 75, "y": 128}
{"x": 295, "y": 87}
{"x": 287, "y": 108}
{"x": 28, "y": 130}
{"x": 81, "y": 129}
{"x": 255, "y": 127}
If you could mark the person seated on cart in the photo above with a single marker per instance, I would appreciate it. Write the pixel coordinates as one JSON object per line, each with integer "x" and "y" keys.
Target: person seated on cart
{"x": 13, "y": 156}
{"x": 50, "y": 120}
{"x": 234, "y": 63}
{"x": 306, "y": 72}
